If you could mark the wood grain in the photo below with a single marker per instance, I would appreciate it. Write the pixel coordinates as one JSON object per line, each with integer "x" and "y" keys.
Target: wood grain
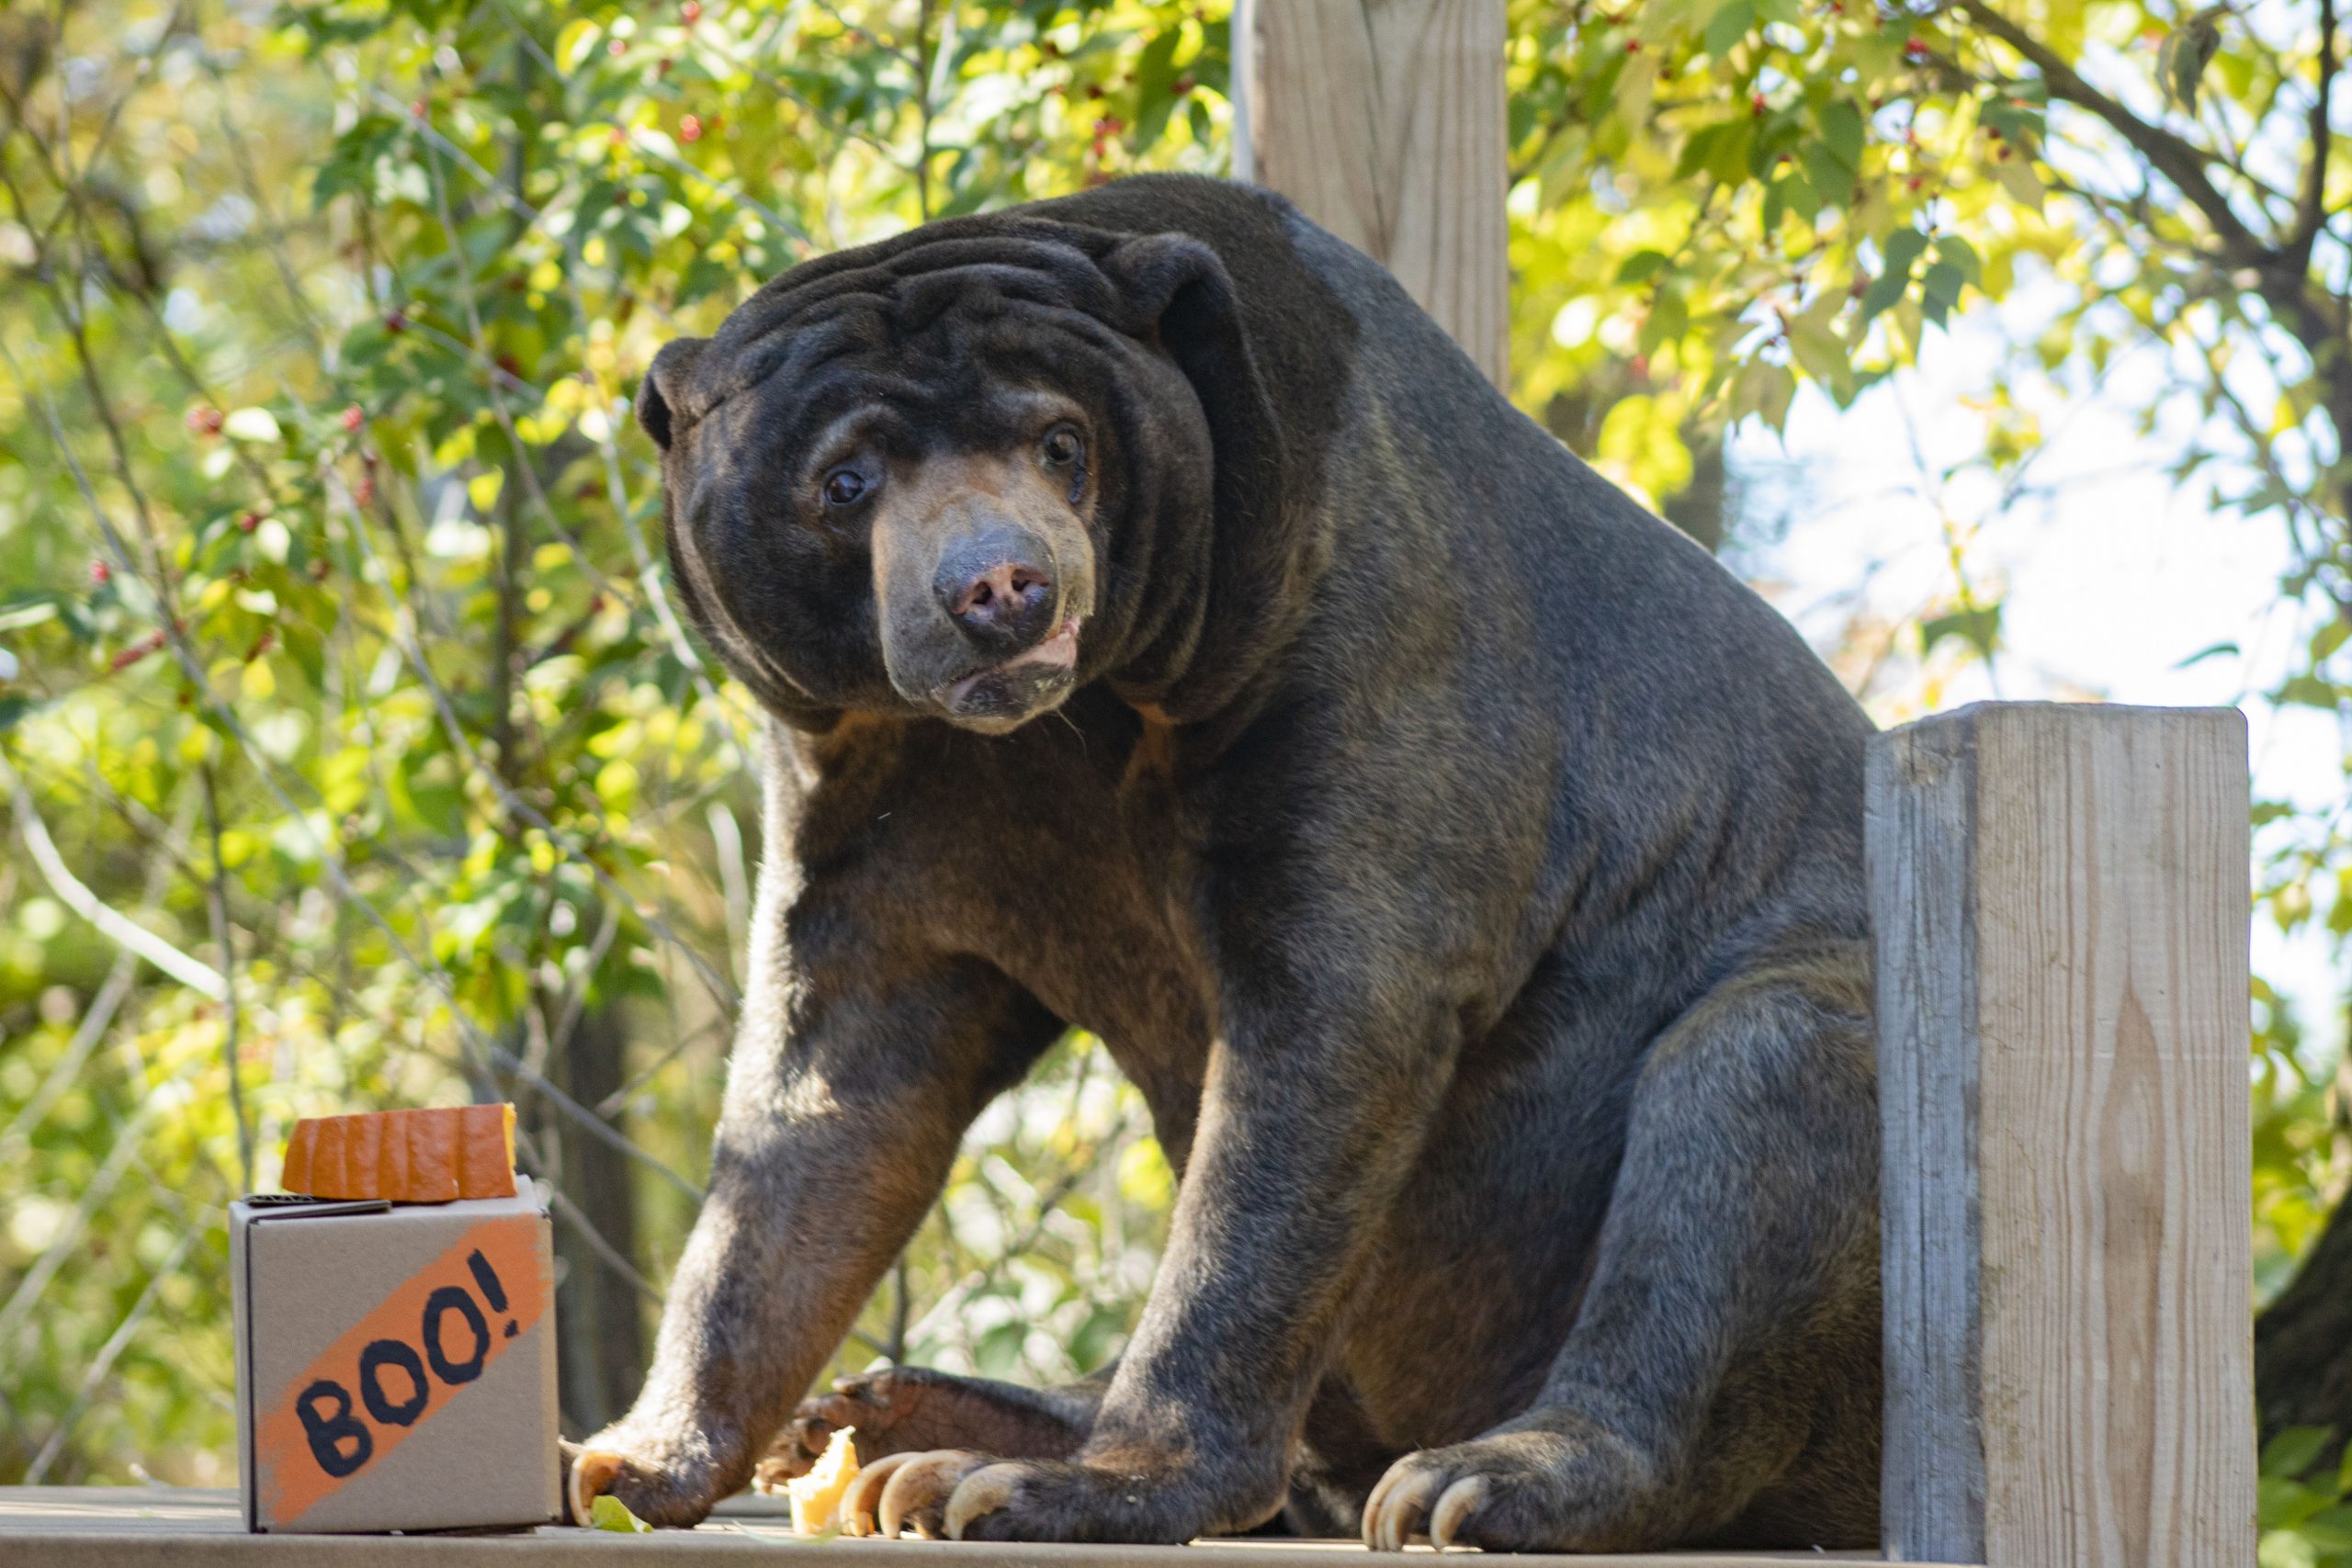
{"x": 1384, "y": 120}
{"x": 132, "y": 1527}
{"x": 2061, "y": 900}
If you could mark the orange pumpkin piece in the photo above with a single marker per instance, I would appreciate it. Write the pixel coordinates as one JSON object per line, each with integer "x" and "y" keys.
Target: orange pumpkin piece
{"x": 408, "y": 1156}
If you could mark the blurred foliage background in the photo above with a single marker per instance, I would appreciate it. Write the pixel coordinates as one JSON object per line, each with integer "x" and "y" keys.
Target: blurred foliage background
{"x": 352, "y": 753}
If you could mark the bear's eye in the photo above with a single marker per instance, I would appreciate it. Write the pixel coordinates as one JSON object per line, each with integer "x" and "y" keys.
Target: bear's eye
{"x": 843, "y": 487}
{"x": 1062, "y": 446}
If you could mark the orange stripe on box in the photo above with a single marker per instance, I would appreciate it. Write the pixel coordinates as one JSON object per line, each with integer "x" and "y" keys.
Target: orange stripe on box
{"x": 292, "y": 1478}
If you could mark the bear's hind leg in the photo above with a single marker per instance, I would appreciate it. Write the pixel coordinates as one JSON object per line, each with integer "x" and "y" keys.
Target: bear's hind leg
{"x": 1725, "y": 1360}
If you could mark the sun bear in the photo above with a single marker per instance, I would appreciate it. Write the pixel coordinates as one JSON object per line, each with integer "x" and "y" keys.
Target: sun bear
{"x": 1168, "y": 632}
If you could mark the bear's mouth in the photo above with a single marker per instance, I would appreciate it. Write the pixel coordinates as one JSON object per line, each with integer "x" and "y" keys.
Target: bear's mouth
{"x": 1002, "y": 695}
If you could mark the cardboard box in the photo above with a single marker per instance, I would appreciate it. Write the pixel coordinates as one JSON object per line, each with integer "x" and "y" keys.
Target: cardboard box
{"x": 395, "y": 1363}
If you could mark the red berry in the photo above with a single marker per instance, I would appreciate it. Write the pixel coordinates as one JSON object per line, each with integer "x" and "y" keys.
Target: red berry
{"x": 354, "y": 417}
{"x": 616, "y": 48}
{"x": 1757, "y": 102}
{"x": 1914, "y": 182}
{"x": 396, "y": 323}
{"x": 691, "y": 11}
{"x": 205, "y": 420}
{"x": 1633, "y": 46}
{"x": 1915, "y": 51}
{"x": 135, "y": 652}
{"x": 101, "y": 573}
{"x": 416, "y": 108}
{"x": 249, "y": 522}
{"x": 690, "y": 129}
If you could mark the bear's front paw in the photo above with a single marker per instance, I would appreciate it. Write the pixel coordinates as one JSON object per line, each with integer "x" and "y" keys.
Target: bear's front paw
{"x": 906, "y": 1491}
{"x": 1582, "y": 1489}
{"x": 959, "y": 1495}
{"x": 661, "y": 1483}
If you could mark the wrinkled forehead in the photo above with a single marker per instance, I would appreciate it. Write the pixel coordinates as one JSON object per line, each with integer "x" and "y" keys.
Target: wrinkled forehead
{"x": 971, "y": 377}
{"x": 935, "y": 316}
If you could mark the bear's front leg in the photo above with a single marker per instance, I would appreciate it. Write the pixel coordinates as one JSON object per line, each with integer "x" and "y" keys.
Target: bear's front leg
{"x": 1334, "y": 1053}
{"x": 858, "y": 1066}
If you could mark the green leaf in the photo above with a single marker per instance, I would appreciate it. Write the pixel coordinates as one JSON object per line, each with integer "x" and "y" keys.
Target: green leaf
{"x": 2016, "y": 176}
{"x": 1901, "y": 248}
{"x": 1939, "y": 289}
{"x": 1641, "y": 266}
{"x": 2294, "y": 1450}
{"x": 1979, "y": 628}
{"x": 1154, "y": 86}
{"x": 31, "y": 611}
{"x": 1698, "y": 152}
{"x": 609, "y": 1513}
{"x": 2212, "y": 650}
{"x": 1843, "y": 133}
{"x": 1883, "y": 291}
{"x": 2303, "y": 690}
{"x": 252, "y": 423}
{"x": 1727, "y": 160}
{"x": 2281, "y": 1504}
{"x": 2330, "y": 1529}
{"x": 2188, "y": 49}
{"x": 1832, "y": 179}
{"x": 2284, "y": 1549}
{"x": 1730, "y": 24}
{"x": 1818, "y": 351}
{"x": 1956, "y": 251}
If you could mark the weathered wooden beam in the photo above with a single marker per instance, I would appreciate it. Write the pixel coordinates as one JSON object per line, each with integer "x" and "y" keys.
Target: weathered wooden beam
{"x": 1384, "y": 120}
{"x": 2061, "y": 900}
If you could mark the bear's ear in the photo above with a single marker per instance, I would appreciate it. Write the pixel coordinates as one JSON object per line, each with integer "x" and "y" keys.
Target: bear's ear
{"x": 1178, "y": 285}
{"x": 662, "y": 407}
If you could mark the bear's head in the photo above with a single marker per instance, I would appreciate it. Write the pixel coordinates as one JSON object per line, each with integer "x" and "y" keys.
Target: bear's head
{"x": 961, "y": 473}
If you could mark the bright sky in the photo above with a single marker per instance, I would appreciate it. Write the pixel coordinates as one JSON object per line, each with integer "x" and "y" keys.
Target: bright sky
{"x": 2114, "y": 574}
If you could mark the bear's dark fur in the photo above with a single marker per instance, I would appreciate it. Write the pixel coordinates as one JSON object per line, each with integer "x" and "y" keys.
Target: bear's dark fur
{"x": 1467, "y": 868}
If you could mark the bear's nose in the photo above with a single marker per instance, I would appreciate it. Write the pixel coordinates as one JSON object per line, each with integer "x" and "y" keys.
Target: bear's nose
{"x": 998, "y": 589}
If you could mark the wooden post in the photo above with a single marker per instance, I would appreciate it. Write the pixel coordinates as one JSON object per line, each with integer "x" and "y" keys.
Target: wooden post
{"x": 2061, "y": 900}
{"x": 1384, "y": 120}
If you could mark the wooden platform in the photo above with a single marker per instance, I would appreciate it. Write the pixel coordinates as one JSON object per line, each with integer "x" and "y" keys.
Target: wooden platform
{"x": 132, "y": 1527}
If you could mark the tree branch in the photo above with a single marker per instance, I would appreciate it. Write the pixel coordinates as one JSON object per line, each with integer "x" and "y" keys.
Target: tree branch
{"x": 75, "y": 895}
{"x": 2311, "y": 213}
{"x": 2179, "y": 161}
